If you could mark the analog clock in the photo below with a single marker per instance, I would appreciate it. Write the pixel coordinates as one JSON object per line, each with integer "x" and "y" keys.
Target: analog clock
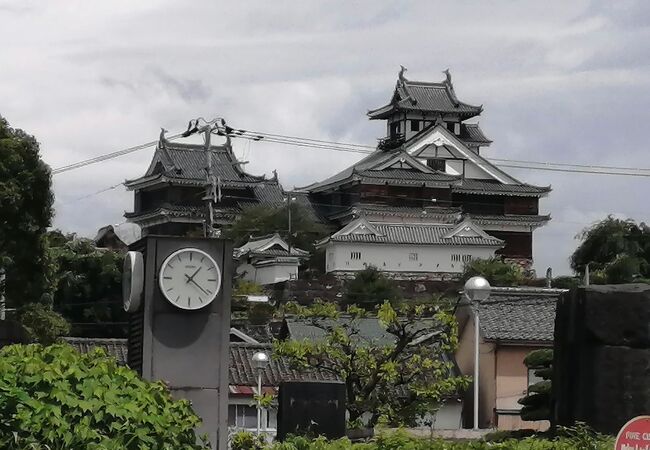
{"x": 132, "y": 281}
{"x": 189, "y": 278}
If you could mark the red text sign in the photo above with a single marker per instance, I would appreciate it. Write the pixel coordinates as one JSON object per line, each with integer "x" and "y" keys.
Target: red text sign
{"x": 635, "y": 435}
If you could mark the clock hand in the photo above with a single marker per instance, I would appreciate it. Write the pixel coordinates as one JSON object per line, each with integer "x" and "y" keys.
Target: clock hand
{"x": 197, "y": 285}
{"x": 194, "y": 274}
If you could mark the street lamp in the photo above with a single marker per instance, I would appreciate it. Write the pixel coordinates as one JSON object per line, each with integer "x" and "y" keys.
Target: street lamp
{"x": 259, "y": 362}
{"x": 476, "y": 290}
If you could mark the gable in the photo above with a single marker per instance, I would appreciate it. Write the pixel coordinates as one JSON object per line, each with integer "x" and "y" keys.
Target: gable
{"x": 467, "y": 229}
{"x": 358, "y": 226}
{"x": 475, "y": 165}
{"x": 402, "y": 160}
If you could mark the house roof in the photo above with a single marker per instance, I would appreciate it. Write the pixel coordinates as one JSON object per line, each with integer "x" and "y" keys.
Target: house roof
{"x": 438, "y": 213}
{"x": 114, "y": 347}
{"x": 472, "y": 133}
{"x": 494, "y": 187}
{"x": 427, "y": 97}
{"x": 465, "y": 233}
{"x": 268, "y": 245}
{"x": 370, "y": 330}
{"x": 506, "y": 219}
{"x": 126, "y": 232}
{"x": 241, "y": 373}
{"x": 519, "y": 315}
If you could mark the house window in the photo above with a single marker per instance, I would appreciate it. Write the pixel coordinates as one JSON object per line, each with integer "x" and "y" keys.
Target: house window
{"x": 394, "y": 129}
{"x": 413, "y": 256}
{"x": 355, "y": 255}
{"x": 242, "y": 416}
{"x": 532, "y": 378}
{"x": 415, "y": 125}
{"x": 455, "y": 258}
{"x": 438, "y": 164}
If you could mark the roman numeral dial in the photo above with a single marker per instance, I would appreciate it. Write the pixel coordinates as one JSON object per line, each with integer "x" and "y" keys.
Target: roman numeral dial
{"x": 189, "y": 278}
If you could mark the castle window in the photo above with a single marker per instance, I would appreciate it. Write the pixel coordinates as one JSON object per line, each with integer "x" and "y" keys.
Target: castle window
{"x": 415, "y": 125}
{"x": 355, "y": 255}
{"x": 394, "y": 129}
{"x": 413, "y": 256}
{"x": 438, "y": 164}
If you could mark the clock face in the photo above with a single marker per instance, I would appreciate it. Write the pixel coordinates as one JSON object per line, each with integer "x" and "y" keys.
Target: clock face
{"x": 189, "y": 278}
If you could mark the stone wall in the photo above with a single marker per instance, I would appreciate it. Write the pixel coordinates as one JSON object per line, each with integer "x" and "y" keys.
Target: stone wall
{"x": 602, "y": 356}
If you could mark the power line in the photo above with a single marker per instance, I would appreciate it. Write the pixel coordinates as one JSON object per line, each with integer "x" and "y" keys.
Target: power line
{"x": 108, "y": 156}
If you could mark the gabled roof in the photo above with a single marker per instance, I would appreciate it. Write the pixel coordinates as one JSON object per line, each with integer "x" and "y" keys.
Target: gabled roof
{"x": 395, "y": 167}
{"x": 187, "y": 164}
{"x": 361, "y": 230}
{"x": 472, "y": 133}
{"x": 370, "y": 330}
{"x": 426, "y": 97}
{"x": 519, "y": 315}
{"x": 126, "y": 232}
{"x": 271, "y": 245}
{"x": 241, "y": 372}
{"x": 434, "y": 213}
{"x": 114, "y": 347}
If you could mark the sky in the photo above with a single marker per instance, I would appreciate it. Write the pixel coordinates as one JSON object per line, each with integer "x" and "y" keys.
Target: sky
{"x": 560, "y": 81}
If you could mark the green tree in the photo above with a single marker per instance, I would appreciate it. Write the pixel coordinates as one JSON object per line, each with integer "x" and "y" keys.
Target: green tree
{"x": 536, "y": 404}
{"x": 42, "y": 324}
{"x": 617, "y": 251}
{"x": 262, "y": 220}
{"x": 398, "y": 378}
{"x": 25, "y": 213}
{"x": 496, "y": 271}
{"x": 87, "y": 285}
{"x": 53, "y": 397}
{"x": 370, "y": 288}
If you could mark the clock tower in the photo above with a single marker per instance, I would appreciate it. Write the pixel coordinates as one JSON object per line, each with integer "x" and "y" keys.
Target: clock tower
{"x": 178, "y": 293}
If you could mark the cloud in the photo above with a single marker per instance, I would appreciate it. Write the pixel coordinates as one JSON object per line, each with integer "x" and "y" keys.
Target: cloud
{"x": 560, "y": 81}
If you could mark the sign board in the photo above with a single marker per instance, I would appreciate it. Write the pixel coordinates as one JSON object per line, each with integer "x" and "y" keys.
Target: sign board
{"x": 635, "y": 435}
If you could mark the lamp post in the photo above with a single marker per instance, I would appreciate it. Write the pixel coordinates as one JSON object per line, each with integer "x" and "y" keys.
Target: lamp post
{"x": 259, "y": 362}
{"x": 476, "y": 290}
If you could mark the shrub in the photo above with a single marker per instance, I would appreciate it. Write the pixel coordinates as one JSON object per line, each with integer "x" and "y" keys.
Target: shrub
{"x": 53, "y": 397}
{"x": 497, "y": 272}
{"x": 370, "y": 288}
{"x": 42, "y": 324}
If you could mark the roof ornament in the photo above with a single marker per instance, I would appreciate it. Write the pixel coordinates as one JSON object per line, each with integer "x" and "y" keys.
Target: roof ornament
{"x": 161, "y": 139}
{"x": 403, "y": 69}
{"x": 448, "y": 75}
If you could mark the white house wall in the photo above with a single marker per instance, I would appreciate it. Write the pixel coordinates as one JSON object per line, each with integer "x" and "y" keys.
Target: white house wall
{"x": 342, "y": 256}
{"x": 271, "y": 274}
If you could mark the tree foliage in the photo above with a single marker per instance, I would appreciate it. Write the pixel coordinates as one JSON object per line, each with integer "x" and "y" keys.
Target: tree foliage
{"x": 617, "y": 251}
{"x": 369, "y": 288}
{"x": 42, "y": 324}
{"x": 496, "y": 271}
{"x": 536, "y": 404}
{"x": 398, "y": 379}
{"x": 262, "y": 220}
{"x": 53, "y": 397}
{"x": 25, "y": 213}
{"x": 87, "y": 285}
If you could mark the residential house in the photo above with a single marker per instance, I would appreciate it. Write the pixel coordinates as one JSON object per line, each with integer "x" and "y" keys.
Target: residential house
{"x": 512, "y": 323}
{"x": 371, "y": 332}
{"x": 268, "y": 260}
{"x": 427, "y": 172}
{"x": 118, "y": 237}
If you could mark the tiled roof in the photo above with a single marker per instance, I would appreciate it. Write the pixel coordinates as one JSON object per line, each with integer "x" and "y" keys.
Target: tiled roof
{"x": 113, "y": 347}
{"x": 421, "y": 234}
{"x": 370, "y": 330}
{"x": 405, "y": 176}
{"x": 513, "y": 316}
{"x": 424, "y": 96}
{"x": 269, "y": 245}
{"x": 471, "y": 132}
{"x": 241, "y": 373}
{"x": 475, "y": 186}
{"x": 485, "y": 219}
{"x": 369, "y": 209}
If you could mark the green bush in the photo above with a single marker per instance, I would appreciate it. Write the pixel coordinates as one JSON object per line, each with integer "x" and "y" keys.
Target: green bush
{"x": 571, "y": 439}
{"x": 53, "y": 397}
{"x": 496, "y": 271}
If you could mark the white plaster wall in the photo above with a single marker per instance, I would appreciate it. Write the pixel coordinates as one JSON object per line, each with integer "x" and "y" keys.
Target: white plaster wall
{"x": 396, "y": 258}
{"x": 275, "y": 273}
{"x": 448, "y": 417}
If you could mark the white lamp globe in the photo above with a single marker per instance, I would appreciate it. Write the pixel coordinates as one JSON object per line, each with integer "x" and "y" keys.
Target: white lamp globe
{"x": 477, "y": 289}
{"x": 260, "y": 360}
